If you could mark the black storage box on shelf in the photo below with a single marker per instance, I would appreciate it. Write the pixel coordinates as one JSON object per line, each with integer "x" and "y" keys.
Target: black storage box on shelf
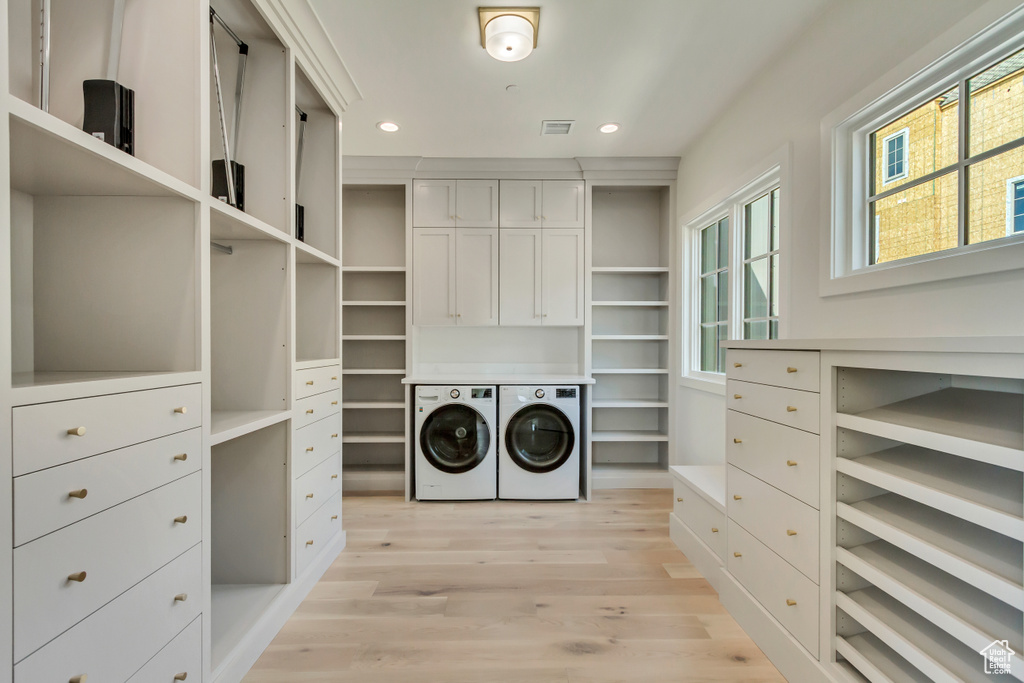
{"x": 220, "y": 183}
{"x": 110, "y": 113}
{"x": 300, "y": 222}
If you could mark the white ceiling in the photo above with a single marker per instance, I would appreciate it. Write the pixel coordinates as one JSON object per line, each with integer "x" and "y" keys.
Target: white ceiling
{"x": 661, "y": 68}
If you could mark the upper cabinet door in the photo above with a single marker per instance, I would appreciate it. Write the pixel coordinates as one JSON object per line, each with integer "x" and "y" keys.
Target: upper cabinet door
{"x": 477, "y": 265}
{"x": 520, "y": 289}
{"x": 562, "y": 205}
{"x": 433, "y": 204}
{"x": 476, "y": 204}
{"x": 562, "y": 276}
{"x": 433, "y": 268}
{"x": 520, "y": 205}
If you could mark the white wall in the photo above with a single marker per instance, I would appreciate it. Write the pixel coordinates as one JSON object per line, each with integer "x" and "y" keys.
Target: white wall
{"x": 854, "y": 50}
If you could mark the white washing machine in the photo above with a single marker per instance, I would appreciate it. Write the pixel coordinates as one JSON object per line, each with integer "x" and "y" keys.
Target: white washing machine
{"x": 456, "y": 443}
{"x": 539, "y": 443}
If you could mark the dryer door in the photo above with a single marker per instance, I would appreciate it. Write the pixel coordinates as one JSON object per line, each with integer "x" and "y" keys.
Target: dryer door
{"x": 539, "y": 438}
{"x": 455, "y": 438}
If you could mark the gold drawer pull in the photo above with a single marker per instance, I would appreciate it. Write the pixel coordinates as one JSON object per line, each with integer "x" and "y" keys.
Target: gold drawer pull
{"x": 334, "y": 436}
{"x": 737, "y": 497}
{"x": 309, "y": 412}
{"x": 790, "y": 532}
{"x": 77, "y": 431}
{"x": 334, "y": 517}
{"x": 309, "y": 543}
{"x": 791, "y": 463}
{"x": 334, "y": 476}
{"x": 737, "y": 554}
{"x": 791, "y": 370}
{"x": 714, "y": 529}
{"x": 334, "y": 379}
{"x": 182, "y": 676}
{"x": 182, "y": 457}
{"x": 308, "y": 496}
{"x": 737, "y": 365}
{"x": 181, "y": 597}
{"x": 309, "y": 383}
{"x": 737, "y": 396}
{"x": 81, "y": 678}
{"x": 77, "y": 577}
{"x": 334, "y": 403}
{"x": 679, "y": 500}
{"x": 737, "y": 440}
{"x": 78, "y": 493}
{"x": 181, "y": 520}
{"x": 182, "y": 410}
{"x": 791, "y": 603}
{"x": 790, "y": 409}
{"x": 309, "y": 450}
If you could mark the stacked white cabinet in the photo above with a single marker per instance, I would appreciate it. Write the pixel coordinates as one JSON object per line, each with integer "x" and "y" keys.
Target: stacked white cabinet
{"x": 155, "y": 339}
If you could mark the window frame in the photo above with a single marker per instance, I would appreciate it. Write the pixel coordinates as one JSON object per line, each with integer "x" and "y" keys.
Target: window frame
{"x": 905, "y": 135}
{"x": 1011, "y": 190}
{"x": 846, "y": 148}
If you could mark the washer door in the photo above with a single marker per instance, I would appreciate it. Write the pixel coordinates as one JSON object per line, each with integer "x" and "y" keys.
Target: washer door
{"x": 539, "y": 438}
{"x": 455, "y": 438}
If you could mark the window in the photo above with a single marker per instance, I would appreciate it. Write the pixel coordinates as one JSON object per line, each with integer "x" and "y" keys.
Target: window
{"x": 923, "y": 179}
{"x": 761, "y": 267}
{"x": 1014, "y": 205}
{"x": 714, "y": 295}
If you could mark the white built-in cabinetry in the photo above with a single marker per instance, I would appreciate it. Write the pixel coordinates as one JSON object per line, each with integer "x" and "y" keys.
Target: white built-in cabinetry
{"x": 456, "y": 282}
{"x": 542, "y": 204}
{"x": 164, "y": 350}
{"x": 541, "y": 276}
{"x": 455, "y": 204}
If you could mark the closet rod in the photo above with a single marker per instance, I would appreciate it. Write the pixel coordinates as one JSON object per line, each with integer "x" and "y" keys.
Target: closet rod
{"x": 222, "y": 248}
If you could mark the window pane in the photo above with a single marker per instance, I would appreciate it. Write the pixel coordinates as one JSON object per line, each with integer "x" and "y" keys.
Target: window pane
{"x": 755, "y": 289}
{"x": 997, "y": 105}
{"x": 723, "y": 295}
{"x": 708, "y": 249}
{"x": 774, "y": 331}
{"x": 991, "y": 196}
{"x": 708, "y": 299}
{"x": 1018, "y": 206}
{"x": 919, "y": 220}
{"x": 757, "y": 329}
{"x": 723, "y": 334}
{"x": 708, "y": 348}
{"x": 775, "y": 287}
{"x": 758, "y": 229}
{"x": 775, "y": 219}
{"x": 930, "y": 143}
{"x": 723, "y": 243}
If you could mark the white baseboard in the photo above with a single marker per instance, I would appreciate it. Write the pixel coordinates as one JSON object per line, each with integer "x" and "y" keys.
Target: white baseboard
{"x": 696, "y": 550}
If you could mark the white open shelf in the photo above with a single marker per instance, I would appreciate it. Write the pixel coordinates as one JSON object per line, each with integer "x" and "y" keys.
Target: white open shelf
{"x": 373, "y": 269}
{"x": 630, "y": 371}
{"x": 373, "y": 337}
{"x": 228, "y": 223}
{"x": 876, "y": 661}
{"x": 374, "y": 303}
{"x": 321, "y": 168}
{"x": 370, "y": 437}
{"x": 627, "y": 403}
{"x": 373, "y": 371}
{"x": 304, "y": 253}
{"x": 234, "y": 609}
{"x": 630, "y": 337}
{"x": 373, "y": 405}
{"x": 629, "y": 436}
{"x": 631, "y": 304}
{"x": 630, "y": 269}
{"x": 231, "y": 424}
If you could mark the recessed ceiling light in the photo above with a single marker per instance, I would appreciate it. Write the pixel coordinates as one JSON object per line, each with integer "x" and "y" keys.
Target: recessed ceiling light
{"x": 608, "y": 127}
{"x": 388, "y": 126}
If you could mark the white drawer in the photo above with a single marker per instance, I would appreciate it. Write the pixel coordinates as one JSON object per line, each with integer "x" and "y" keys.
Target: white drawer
{"x": 781, "y": 522}
{"x": 790, "y": 407}
{"x": 115, "y": 549}
{"x": 51, "y": 434}
{"x": 312, "y": 444}
{"x": 181, "y": 656}
{"x": 111, "y": 644}
{"x": 785, "y": 458}
{"x": 316, "y": 380}
{"x": 792, "y": 369}
{"x": 53, "y": 498}
{"x": 316, "y": 532}
{"x": 787, "y": 594}
{"x": 317, "y": 486}
{"x": 701, "y": 517}
{"x": 309, "y": 410}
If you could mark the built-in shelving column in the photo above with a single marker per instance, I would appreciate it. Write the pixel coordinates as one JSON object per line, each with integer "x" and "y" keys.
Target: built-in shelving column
{"x": 374, "y": 336}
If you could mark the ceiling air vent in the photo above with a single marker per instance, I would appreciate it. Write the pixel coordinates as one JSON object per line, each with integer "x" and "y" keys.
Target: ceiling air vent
{"x": 556, "y": 127}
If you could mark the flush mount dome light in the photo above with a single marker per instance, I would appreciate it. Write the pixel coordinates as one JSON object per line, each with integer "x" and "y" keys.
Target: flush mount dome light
{"x": 388, "y": 126}
{"x": 509, "y": 33}
{"x": 608, "y": 127}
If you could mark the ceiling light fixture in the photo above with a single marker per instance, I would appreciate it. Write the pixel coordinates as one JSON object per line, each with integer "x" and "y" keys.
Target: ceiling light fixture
{"x": 509, "y": 33}
{"x": 388, "y": 126}
{"x": 608, "y": 127}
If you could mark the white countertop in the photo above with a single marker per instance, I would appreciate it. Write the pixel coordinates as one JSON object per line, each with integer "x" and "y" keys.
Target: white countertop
{"x": 915, "y": 344}
{"x": 498, "y": 378}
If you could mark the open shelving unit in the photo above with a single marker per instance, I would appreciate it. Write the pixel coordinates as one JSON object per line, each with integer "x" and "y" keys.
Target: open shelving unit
{"x": 374, "y": 336}
{"x": 930, "y": 522}
{"x": 629, "y": 335}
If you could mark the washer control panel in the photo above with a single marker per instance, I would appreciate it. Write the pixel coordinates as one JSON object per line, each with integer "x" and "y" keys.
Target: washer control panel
{"x": 539, "y": 393}
{"x": 455, "y": 393}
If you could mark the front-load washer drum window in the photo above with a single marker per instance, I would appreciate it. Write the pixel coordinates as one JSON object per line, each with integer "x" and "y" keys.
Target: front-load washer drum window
{"x": 539, "y": 438}
{"x": 455, "y": 438}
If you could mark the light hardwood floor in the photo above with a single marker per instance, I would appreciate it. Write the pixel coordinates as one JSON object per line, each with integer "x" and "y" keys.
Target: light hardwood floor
{"x": 501, "y": 592}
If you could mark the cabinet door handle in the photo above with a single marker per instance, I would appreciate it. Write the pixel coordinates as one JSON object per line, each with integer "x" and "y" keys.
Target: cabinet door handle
{"x": 737, "y": 396}
{"x": 308, "y": 496}
{"x": 334, "y": 436}
{"x": 679, "y": 500}
{"x": 181, "y": 520}
{"x": 334, "y": 403}
{"x": 791, "y": 463}
{"x": 181, "y": 410}
{"x": 737, "y": 365}
{"x": 737, "y": 554}
{"x": 78, "y": 493}
{"x": 790, "y": 532}
{"x": 309, "y": 543}
{"x": 791, "y": 603}
{"x": 181, "y": 597}
{"x": 309, "y": 383}
{"x": 309, "y": 412}
{"x": 714, "y": 529}
{"x": 334, "y": 379}
{"x": 182, "y": 676}
{"x": 76, "y": 431}
{"x": 181, "y": 457}
{"x": 737, "y": 440}
{"x": 334, "y": 517}
{"x": 334, "y": 476}
{"x": 77, "y": 577}
{"x": 790, "y": 370}
{"x": 737, "y": 497}
{"x": 790, "y": 409}
{"x": 80, "y": 678}
{"x": 309, "y": 450}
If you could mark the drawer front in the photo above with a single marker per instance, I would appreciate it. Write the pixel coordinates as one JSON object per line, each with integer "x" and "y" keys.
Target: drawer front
{"x": 791, "y": 369}
{"x": 51, "y": 434}
{"x": 775, "y": 584}
{"x": 181, "y": 656}
{"x": 785, "y": 458}
{"x": 781, "y": 522}
{"x": 111, "y": 644}
{"x": 793, "y": 408}
{"x": 315, "y": 487}
{"x": 314, "y": 408}
{"x": 316, "y": 532}
{"x": 312, "y": 444}
{"x": 54, "y": 498}
{"x": 316, "y": 380}
{"x": 701, "y": 517}
{"x": 115, "y": 549}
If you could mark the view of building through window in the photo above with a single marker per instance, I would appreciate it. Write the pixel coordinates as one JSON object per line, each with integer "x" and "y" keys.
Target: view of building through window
{"x": 917, "y": 161}
{"x": 761, "y": 267}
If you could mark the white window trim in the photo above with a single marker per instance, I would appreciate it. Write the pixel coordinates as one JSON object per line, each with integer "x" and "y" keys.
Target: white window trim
{"x": 777, "y": 175}
{"x": 846, "y": 156}
{"x": 886, "y": 178}
{"x": 1009, "y": 203}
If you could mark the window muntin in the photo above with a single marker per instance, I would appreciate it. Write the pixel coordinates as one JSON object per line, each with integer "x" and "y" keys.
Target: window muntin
{"x": 894, "y": 156}
{"x": 1015, "y": 205}
{"x": 761, "y": 267}
{"x": 714, "y": 295}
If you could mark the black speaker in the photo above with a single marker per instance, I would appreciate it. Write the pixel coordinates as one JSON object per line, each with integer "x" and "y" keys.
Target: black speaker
{"x": 110, "y": 113}
{"x": 300, "y": 222}
{"x": 220, "y": 182}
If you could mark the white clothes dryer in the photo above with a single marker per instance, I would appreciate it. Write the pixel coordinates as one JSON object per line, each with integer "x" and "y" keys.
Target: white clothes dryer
{"x": 456, "y": 444}
{"x": 539, "y": 442}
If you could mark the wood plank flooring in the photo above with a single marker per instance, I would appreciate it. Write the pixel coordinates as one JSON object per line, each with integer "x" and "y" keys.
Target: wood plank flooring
{"x": 505, "y": 592}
